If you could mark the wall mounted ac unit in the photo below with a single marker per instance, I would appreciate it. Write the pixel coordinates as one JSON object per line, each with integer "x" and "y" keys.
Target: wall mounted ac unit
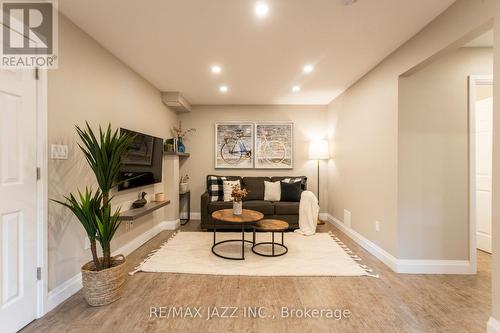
{"x": 175, "y": 101}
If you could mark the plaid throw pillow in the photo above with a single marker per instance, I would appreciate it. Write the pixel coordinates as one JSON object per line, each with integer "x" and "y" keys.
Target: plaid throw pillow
{"x": 216, "y": 188}
{"x": 291, "y": 180}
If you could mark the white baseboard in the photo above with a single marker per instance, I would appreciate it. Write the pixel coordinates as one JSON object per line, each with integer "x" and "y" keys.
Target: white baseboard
{"x": 69, "y": 287}
{"x": 323, "y": 216}
{"x": 382, "y": 255}
{"x": 195, "y": 215}
{"x": 493, "y": 326}
{"x": 63, "y": 291}
{"x": 170, "y": 225}
{"x": 405, "y": 266}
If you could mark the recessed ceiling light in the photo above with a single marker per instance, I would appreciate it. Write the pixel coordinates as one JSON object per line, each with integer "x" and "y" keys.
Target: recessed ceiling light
{"x": 216, "y": 69}
{"x": 308, "y": 68}
{"x": 223, "y": 89}
{"x": 296, "y": 88}
{"x": 261, "y": 9}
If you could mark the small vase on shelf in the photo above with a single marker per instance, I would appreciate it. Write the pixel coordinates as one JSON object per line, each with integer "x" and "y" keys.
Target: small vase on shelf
{"x": 237, "y": 207}
{"x": 180, "y": 146}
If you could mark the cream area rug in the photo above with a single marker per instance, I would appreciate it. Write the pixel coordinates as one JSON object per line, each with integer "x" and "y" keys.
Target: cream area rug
{"x": 321, "y": 254}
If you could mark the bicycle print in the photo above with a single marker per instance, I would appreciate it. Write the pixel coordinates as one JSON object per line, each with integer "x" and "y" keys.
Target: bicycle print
{"x": 234, "y": 145}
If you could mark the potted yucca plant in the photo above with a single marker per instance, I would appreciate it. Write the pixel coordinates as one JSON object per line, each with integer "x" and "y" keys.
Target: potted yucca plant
{"x": 104, "y": 277}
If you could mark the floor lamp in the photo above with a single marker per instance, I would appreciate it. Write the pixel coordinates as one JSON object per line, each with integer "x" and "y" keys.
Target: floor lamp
{"x": 318, "y": 150}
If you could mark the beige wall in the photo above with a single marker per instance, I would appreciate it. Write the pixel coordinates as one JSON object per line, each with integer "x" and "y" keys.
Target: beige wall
{"x": 496, "y": 172}
{"x": 363, "y": 125}
{"x": 91, "y": 84}
{"x": 309, "y": 122}
{"x": 433, "y": 156}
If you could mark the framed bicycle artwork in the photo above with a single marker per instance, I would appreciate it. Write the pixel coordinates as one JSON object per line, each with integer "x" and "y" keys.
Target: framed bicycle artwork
{"x": 274, "y": 145}
{"x": 234, "y": 145}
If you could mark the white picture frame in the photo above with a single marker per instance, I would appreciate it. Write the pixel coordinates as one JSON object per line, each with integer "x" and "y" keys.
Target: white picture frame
{"x": 234, "y": 145}
{"x": 273, "y": 145}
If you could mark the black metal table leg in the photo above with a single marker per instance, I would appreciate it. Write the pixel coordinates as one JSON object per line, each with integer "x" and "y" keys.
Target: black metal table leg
{"x": 242, "y": 241}
{"x": 273, "y": 243}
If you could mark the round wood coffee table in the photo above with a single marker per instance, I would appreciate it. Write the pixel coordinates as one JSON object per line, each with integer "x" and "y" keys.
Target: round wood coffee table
{"x": 248, "y": 217}
{"x": 271, "y": 226}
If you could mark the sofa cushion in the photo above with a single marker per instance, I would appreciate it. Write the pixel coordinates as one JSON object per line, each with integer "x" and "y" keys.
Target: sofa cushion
{"x": 218, "y": 205}
{"x": 255, "y": 187}
{"x": 215, "y": 186}
{"x": 292, "y": 179}
{"x": 286, "y": 208}
{"x": 291, "y": 191}
{"x": 265, "y": 207}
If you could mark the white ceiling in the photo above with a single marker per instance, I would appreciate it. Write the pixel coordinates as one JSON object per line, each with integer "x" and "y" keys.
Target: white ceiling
{"x": 173, "y": 43}
{"x": 485, "y": 40}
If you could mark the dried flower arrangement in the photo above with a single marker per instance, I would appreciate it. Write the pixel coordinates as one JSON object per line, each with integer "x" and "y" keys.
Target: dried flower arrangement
{"x": 179, "y": 133}
{"x": 238, "y": 194}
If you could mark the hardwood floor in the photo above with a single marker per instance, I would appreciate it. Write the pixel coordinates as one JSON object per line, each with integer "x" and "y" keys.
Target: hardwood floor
{"x": 393, "y": 303}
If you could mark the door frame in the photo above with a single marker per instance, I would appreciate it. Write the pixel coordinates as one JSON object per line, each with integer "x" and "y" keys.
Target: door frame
{"x": 474, "y": 81}
{"x": 42, "y": 191}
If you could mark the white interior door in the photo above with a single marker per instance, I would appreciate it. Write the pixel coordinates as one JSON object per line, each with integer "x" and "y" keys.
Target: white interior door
{"x": 18, "y": 199}
{"x": 484, "y": 151}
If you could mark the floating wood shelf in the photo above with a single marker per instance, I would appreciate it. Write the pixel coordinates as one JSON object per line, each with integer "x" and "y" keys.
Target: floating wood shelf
{"x": 135, "y": 213}
{"x": 172, "y": 153}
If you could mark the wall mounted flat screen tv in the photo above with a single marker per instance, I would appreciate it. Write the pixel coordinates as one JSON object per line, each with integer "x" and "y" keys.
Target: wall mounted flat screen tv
{"x": 142, "y": 162}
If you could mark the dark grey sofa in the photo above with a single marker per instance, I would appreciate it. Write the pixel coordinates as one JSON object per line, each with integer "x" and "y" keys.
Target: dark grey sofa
{"x": 286, "y": 211}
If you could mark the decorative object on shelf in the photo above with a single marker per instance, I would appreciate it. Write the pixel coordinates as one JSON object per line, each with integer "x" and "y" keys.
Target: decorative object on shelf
{"x": 104, "y": 277}
{"x": 183, "y": 184}
{"x": 234, "y": 142}
{"x": 180, "y": 146}
{"x": 238, "y": 195}
{"x": 318, "y": 150}
{"x": 169, "y": 146}
{"x": 141, "y": 202}
{"x": 160, "y": 197}
{"x": 274, "y": 145}
{"x": 179, "y": 136}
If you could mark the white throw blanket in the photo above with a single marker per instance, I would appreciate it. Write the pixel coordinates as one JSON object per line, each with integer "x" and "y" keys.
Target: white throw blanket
{"x": 308, "y": 214}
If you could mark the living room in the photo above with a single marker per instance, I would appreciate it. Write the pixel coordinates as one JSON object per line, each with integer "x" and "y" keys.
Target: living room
{"x": 314, "y": 165}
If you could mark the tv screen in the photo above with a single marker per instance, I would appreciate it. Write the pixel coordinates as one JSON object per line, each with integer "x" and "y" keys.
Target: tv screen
{"x": 142, "y": 162}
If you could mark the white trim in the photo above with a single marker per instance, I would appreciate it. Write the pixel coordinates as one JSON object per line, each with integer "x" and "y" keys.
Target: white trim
{"x": 195, "y": 215}
{"x": 42, "y": 191}
{"x": 171, "y": 225}
{"x": 388, "y": 259}
{"x": 63, "y": 291}
{"x": 474, "y": 80}
{"x": 493, "y": 325}
{"x": 68, "y": 288}
{"x": 323, "y": 216}
{"x": 415, "y": 266}
{"x": 404, "y": 266}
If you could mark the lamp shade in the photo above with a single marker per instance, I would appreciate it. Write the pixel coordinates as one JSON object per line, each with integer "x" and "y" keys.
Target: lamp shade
{"x": 318, "y": 150}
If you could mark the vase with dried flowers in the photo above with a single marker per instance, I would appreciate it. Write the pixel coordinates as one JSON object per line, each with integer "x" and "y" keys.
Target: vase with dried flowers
{"x": 179, "y": 135}
{"x": 238, "y": 194}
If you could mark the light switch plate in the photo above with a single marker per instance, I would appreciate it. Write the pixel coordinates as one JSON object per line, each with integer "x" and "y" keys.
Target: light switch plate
{"x": 59, "y": 152}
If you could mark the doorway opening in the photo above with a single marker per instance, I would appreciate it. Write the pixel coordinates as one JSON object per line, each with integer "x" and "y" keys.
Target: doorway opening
{"x": 481, "y": 153}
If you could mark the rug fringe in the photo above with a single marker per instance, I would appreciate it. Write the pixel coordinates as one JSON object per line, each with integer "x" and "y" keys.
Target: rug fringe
{"x": 368, "y": 270}
{"x": 152, "y": 253}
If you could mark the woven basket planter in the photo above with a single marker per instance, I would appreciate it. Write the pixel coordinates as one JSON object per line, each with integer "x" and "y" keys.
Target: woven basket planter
{"x": 106, "y": 286}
